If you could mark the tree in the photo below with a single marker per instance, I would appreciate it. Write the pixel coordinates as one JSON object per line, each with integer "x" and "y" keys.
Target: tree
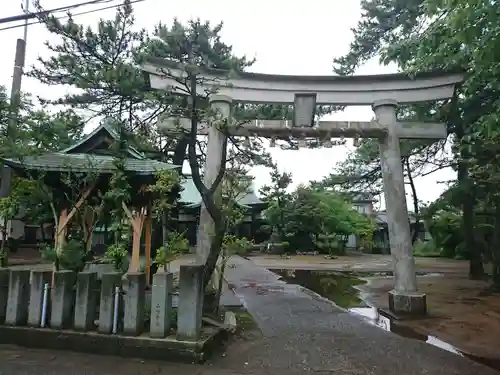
{"x": 312, "y": 216}
{"x": 423, "y": 35}
{"x": 36, "y": 131}
{"x": 361, "y": 170}
{"x": 276, "y": 196}
{"x": 103, "y": 65}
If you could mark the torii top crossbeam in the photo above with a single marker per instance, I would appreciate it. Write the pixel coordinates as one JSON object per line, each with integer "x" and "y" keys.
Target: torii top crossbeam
{"x": 327, "y": 90}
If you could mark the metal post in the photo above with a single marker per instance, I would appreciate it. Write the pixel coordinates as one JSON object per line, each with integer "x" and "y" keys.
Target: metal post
{"x": 45, "y": 301}
{"x": 115, "y": 309}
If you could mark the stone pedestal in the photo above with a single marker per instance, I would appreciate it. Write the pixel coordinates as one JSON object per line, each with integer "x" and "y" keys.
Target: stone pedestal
{"x": 161, "y": 304}
{"x": 18, "y": 297}
{"x": 4, "y": 293}
{"x": 63, "y": 299}
{"x": 190, "y": 309}
{"x": 86, "y": 300}
{"x": 410, "y": 304}
{"x": 106, "y": 307}
{"x": 38, "y": 281}
{"x": 134, "y": 302}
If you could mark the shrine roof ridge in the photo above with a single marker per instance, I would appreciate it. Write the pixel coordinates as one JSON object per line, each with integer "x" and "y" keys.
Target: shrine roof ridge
{"x": 313, "y": 78}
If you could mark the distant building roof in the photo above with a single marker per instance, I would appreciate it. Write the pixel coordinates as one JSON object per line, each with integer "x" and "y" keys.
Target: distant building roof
{"x": 358, "y": 196}
{"x": 381, "y": 217}
{"x": 190, "y": 196}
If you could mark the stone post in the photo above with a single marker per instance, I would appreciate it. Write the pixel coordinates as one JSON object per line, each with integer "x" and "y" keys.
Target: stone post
{"x": 109, "y": 282}
{"x": 405, "y": 297}
{"x": 161, "y": 304}
{"x": 86, "y": 300}
{"x": 63, "y": 300}
{"x": 215, "y": 147}
{"x": 134, "y": 301}
{"x": 38, "y": 281}
{"x": 189, "y": 312}
{"x": 4, "y": 293}
{"x": 18, "y": 297}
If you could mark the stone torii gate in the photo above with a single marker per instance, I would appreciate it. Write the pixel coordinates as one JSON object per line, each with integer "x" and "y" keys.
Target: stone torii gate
{"x": 382, "y": 92}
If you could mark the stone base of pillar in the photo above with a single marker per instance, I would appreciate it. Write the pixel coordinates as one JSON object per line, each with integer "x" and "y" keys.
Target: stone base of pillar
{"x": 407, "y": 303}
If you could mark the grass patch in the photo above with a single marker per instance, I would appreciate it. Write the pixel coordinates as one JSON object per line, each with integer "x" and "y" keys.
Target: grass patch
{"x": 245, "y": 321}
{"x": 426, "y": 249}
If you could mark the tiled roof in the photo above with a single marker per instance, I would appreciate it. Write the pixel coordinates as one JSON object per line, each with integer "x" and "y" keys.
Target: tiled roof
{"x": 106, "y": 126}
{"x": 60, "y": 162}
{"x": 190, "y": 196}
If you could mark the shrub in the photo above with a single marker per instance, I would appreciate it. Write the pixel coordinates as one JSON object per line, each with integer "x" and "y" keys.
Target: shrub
{"x": 72, "y": 255}
{"x": 176, "y": 245}
{"x": 426, "y": 249}
{"x": 117, "y": 255}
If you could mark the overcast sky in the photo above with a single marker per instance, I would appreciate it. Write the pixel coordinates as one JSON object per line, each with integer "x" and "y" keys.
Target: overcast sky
{"x": 301, "y": 39}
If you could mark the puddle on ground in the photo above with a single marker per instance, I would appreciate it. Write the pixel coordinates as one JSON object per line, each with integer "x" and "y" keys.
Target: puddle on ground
{"x": 337, "y": 287}
{"x": 340, "y": 288}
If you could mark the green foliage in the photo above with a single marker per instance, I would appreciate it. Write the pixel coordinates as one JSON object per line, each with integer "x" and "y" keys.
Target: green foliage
{"x": 235, "y": 245}
{"x": 72, "y": 256}
{"x": 175, "y": 246}
{"x": 103, "y": 63}
{"x": 118, "y": 192}
{"x": 426, "y": 249}
{"x": 166, "y": 183}
{"x": 429, "y": 35}
{"x": 321, "y": 219}
{"x": 117, "y": 255}
{"x": 276, "y": 195}
{"x": 445, "y": 227}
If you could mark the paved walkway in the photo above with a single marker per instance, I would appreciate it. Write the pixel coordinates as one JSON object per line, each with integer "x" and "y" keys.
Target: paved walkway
{"x": 305, "y": 333}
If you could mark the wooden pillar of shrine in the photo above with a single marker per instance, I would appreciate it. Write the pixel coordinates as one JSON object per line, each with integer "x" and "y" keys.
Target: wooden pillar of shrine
{"x": 140, "y": 220}
{"x": 65, "y": 217}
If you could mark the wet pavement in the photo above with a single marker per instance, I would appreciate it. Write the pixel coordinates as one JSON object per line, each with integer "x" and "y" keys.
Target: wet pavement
{"x": 306, "y": 333}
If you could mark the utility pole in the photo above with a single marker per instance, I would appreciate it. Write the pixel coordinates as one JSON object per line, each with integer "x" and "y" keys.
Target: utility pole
{"x": 15, "y": 102}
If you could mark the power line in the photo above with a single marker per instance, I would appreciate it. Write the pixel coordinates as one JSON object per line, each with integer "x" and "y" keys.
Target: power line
{"x": 73, "y": 15}
{"x": 27, "y": 16}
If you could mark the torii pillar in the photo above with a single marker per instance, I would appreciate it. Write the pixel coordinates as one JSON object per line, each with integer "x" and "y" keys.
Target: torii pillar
{"x": 404, "y": 298}
{"x": 221, "y": 104}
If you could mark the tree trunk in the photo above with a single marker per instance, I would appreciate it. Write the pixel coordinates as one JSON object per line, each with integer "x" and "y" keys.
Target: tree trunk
{"x": 416, "y": 227}
{"x": 4, "y": 256}
{"x": 164, "y": 227}
{"x": 215, "y": 249}
{"x": 476, "y": 270}
{"x": 495, "y": 252}
{"x": 42, "y": 233}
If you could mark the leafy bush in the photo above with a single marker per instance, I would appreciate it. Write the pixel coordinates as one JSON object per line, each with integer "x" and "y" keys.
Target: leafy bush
{"x": 330, "y": 244}
{"x": 311, "y": 212}
{"x": 117, "y": 255}
{"x": 176, "y": 245}
{"x": 426, "y": 249}
{"x": 236, "y": 245}
{"x": 72, "y": 255}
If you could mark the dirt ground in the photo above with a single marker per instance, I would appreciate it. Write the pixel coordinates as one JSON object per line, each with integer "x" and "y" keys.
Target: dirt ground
{"x": 461, "y": 313}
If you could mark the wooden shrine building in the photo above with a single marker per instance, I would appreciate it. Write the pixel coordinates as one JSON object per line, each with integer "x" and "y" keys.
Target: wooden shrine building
{"x": 92, "y": 161}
